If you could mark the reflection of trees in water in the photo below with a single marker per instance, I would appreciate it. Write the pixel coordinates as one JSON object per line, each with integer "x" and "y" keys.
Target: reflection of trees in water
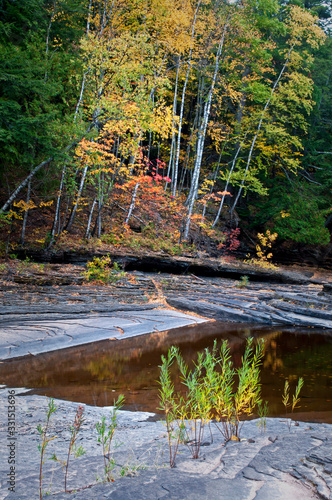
{"x": 106, "y": 367}
{"x": 99, "y": 372}
{"x": 271, "y": 359}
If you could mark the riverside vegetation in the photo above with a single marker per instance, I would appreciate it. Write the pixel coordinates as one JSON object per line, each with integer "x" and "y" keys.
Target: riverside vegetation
{"x": 213, "y": 391}
{"x": 210, "y": 395}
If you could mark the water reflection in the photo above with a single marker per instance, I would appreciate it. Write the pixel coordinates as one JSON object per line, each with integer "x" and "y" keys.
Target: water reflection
{"x": 97, "y": 373}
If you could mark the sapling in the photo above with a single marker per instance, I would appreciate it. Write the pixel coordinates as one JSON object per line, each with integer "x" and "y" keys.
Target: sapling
{"x": 79, "y": 419}
{"x": 173, "y": 406}
{"x": 295, "y": 399}
{"x": 231, "y": 406}
{"x": 262, "y": 410}
{"x": 244, "y": 281}
{"x": 44, "y": 440}
{"x": 198, "y": 406}
{"x": 72, "y": 449}
{"x": 186, "y": 417}
{"x": 105, "y": 436}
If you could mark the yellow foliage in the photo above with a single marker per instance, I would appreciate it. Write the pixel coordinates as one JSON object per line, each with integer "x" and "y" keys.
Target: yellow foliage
{"x": 14, "y": 215}
{"x": 23, "y": 206}
{"x": 263, "y": 256}
{"x": 46, "y": 204}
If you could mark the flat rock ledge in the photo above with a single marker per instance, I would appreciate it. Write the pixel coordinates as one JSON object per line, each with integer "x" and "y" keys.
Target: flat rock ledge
{"x": 37, "y": 318}
{"x": 279, "y": 463}
{"x": 305, "y": 305}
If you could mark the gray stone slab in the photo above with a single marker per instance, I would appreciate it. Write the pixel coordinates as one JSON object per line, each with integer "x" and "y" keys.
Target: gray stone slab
{"x": 280, "y": 464}
{"x": 44, "y": 336}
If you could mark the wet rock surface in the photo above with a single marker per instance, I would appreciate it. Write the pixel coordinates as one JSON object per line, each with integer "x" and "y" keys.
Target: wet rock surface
{"x": 45, "y": 311}
{"x": 305, "y": 305}
{"x": 280, "y": 463}
{"x": 39, "y": 317}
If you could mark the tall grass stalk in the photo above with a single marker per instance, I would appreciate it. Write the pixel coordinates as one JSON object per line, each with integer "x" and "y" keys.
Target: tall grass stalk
{"x": 44, "y": 440}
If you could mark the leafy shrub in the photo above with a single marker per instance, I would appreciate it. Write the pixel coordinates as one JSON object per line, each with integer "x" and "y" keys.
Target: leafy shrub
{"x": 263, "y": 250}
{"x": 102, "y": 269}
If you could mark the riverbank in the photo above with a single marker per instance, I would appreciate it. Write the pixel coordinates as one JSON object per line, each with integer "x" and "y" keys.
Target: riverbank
{"x": 47, "y": 300}
{"x": 51, "y": 308}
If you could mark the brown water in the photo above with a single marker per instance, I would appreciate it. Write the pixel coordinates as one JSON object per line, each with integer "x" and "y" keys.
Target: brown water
{"x": 97, "y": 373}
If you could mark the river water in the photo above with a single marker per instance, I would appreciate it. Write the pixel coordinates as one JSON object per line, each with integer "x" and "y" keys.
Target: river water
{"x": 97, "y": 373}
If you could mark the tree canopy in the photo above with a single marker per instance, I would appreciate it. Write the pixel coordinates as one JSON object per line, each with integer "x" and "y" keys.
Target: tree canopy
{"x": 192, "y": 117}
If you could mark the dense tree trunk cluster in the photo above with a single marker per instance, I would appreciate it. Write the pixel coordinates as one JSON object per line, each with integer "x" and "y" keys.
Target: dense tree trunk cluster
{"x": 183, "y": 115}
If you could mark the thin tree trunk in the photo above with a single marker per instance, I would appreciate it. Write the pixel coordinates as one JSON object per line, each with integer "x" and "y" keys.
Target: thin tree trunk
{"x": 87, "y": 71}
{"x": 201, "y": 136}
{"x": 24, "y": 183}
{"x": 172, "y": 155}
{"x": 214, "y": 180}
{"x": 184, "y": 170}
{"x": 87, "y": 233}
{"x": 48, "y": 40}
{"x": 39, "y": 167}
{"x": 259, "y": 127}
{"x": 176, "y": 165}
{"x": 252, "y": 145}
{"x": 78, "y": 197}
{"x": 57, "y": 208}
{"x": 132, "y": 204}
{"x": 227, "y": 182}
{"x": 25, "y": 217}
{"x": 100, "y": 202}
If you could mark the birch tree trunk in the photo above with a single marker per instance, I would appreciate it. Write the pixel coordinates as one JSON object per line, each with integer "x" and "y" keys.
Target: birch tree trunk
{"x": 132, "y": 204}
{"x": 201, "y": 137}
{"x": 259, "y": 127}
{"x": 227, "y": 183}
{"x": 78, "y": 197}
{"x": 87, "y": 233}
{"x": 25, "y": 217}
{"x": 251, "y": 148}
{"x": 57, "y": 208}
{"x": 48, "y": 39}
{"x": 172, "y": 155}
{"x": 176, "y": 165}
{"x": 25, "y": 182}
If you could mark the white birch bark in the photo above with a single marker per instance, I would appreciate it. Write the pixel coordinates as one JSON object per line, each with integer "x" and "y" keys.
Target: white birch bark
{"x": 57, "y": 208}
{"x": 171, "y": 156}
{"x": 227, "y": 182}
{"x": 24, "y": 183}
{"x": 259, "y": 127}
{"x": 176, "y": 165}
{"x": 214, "y": 181}
{"x": 87, "y": 233}
{"x": 78, "y": 197}
{"x": 201, "y": 136}
{"x": 48, "y": 39}
{"x": 25, "y": 217}
{"x": 132, "y": 204}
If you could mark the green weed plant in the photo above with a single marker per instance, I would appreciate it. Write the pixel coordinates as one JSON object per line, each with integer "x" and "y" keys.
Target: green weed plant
{"x": 105, "y": 437}
{"x": 209, "y": 394}
{"x": 102, "y": 269}
{"x": 43, "y": 432}
{"x": 244, "y": 281}
{"x": 294, "y": 402}
{"x": 76, "y": 451}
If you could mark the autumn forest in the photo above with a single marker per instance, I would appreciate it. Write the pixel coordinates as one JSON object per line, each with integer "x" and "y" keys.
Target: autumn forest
{"x": 165, "y": 125}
